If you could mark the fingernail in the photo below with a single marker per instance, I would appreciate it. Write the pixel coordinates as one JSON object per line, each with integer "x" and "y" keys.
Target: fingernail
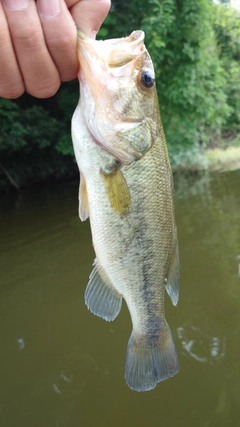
{"x": 49, "y": 8}
{"x": 15, "y": 4}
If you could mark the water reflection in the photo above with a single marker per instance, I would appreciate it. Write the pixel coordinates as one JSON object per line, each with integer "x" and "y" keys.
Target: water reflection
{"x": 238, "y": 259}
{"x": 61, "y": 366}
{"x": 21, "y": 343}
{"x": 201, "y": 346}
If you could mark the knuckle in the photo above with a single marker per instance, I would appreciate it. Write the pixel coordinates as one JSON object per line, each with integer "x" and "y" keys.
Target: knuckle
{"x": 61, "y": 44}
{"x": 28, "y": 36}
{"x": 63, "y": 51}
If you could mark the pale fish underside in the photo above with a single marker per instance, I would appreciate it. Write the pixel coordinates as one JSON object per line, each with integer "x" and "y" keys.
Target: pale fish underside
{"x": 126, "y": 191}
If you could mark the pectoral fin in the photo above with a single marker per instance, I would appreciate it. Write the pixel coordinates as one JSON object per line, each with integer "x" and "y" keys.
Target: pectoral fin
{"x": 117, "y": 190}
{"x": 100, "y": 296}
{"x": 83, "y": 199}
{"x": 173, "y": 279}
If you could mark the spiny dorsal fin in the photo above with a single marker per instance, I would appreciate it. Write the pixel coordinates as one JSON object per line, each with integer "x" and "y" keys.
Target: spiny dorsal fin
{"x": 117, "y": 190}
{"x": 83, "y": 199}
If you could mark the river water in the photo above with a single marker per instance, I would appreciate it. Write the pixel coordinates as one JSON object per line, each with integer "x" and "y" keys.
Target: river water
{"x": 62, "y": 366}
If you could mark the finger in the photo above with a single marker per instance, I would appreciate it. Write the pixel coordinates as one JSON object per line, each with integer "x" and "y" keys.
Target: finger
{"x": 40, "y": 75}
{"x": 89, "y": 14}
{"x": 11, "y": 82}
{"x": 60, "y": 36}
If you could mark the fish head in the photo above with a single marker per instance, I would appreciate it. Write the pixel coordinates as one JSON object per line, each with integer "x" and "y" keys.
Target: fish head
{"x": 118, "y": 95}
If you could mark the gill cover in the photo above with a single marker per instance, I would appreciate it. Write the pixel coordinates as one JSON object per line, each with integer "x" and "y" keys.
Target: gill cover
{"x": 118, "y": 94}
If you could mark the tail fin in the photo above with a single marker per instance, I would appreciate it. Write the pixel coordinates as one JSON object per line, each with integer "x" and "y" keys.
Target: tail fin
{"x": 146, "y": 365}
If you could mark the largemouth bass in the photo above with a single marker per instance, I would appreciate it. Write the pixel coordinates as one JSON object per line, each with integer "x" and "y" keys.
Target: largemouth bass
{"x": 126, "y": 190}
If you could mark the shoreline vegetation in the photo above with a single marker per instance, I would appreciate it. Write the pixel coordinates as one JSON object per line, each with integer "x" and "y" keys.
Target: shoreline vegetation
{"x": 215, "y": 159}
{"x": 223, "y": 160}
{"x": 195, "y": 48}
{"x": 220, "y": 155}
{"x": 211, "y": 160}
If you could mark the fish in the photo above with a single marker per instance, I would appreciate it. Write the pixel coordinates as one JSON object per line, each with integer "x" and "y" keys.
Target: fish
{"x": 126, "y": 191}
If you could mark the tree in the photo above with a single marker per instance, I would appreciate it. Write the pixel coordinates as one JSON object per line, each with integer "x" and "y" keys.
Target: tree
{"x": 35, "y": 139}
{"x": 227, "y": 30}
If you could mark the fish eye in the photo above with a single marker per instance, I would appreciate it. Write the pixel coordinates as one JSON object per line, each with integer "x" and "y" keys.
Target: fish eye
{"x": 147, "y": 79}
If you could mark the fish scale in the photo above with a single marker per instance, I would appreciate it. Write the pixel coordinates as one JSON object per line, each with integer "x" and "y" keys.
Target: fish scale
{"x": 129, "y": 201}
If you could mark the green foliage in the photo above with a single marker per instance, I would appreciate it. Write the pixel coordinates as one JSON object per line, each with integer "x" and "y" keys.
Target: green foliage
{"x": 227, "y": 30}
{"x": 35, "y": 144}
{"x": 125, "y": 17}
{"x": 189, "y": 74}
{"x": 12, "y": 131}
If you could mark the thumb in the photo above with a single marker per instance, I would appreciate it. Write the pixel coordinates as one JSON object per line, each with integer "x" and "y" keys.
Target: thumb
{"x": 89, "y": 15}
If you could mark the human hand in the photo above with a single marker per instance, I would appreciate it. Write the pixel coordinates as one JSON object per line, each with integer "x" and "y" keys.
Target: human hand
{"x": 38, "y": 42}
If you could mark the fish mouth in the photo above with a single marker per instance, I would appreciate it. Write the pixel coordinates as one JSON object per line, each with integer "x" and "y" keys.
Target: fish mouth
{"x": 111, "y": 54}
{"x": 117, "y": 52}
{"x": 136, "y": 37}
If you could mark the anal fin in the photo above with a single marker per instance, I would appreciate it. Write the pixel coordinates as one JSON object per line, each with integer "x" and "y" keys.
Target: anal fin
{"x": 100, "y": 296}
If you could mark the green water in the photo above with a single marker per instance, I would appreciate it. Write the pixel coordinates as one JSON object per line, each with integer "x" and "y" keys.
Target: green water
{"x": 62, "y": 366}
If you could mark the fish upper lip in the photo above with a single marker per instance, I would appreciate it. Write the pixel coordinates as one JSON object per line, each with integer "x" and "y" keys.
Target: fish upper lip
{"x": 116, "y": 52}
{"x": 109, "y": 56}
{"x": 135, "y": 38}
